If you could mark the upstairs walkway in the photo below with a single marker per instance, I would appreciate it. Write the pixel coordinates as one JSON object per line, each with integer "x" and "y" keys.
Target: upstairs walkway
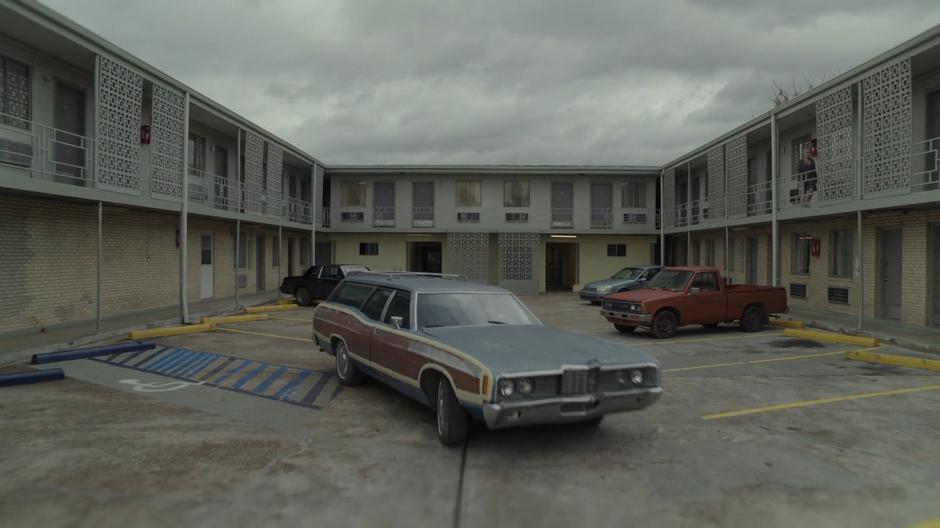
{"x": 15, "y": 347}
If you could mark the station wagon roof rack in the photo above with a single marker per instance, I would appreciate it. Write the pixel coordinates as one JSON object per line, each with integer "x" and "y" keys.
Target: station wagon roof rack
{"x": 405, "y": 274}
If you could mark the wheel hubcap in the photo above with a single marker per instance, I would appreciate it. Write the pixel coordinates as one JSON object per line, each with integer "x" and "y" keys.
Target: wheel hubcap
{"x": 441, "y": 410}
{"x": 342, "y": 362}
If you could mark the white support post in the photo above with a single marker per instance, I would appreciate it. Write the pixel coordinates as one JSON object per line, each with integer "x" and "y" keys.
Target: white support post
{"x": 858, "y": 201}
{"x": 774, "y": 223}
{"x": 313, "y": 215}
{"x": 280, "y": 254}
{"x": 184, "y": 214}
{"x": 662, "y": 221}
{"x": 238, "y": 208}
{"x": 98, "y": 279}
{"x": 727, "y": 253}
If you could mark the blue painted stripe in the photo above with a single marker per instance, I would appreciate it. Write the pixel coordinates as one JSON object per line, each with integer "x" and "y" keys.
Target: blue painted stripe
{"x": 228, "y": 361}
{"x": 225, "y": 376}
{"x": 162, "y": 360}
{"x": 247, "y": 377}
{"x": 195, "y": 369}
{"x": 150, "y": 355}
{"x": 166, "y": 367}
{"x": 315, "y": 391}
{"x": 186, "y": 363}
{"x": 291, "y": 385}
{"x": 130, "y": 356}
{"x": 264, "y": 385}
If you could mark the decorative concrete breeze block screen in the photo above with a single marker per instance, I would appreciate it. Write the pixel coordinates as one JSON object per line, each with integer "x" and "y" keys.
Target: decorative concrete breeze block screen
{"x": 254, "y": 163}
{"x": 119, "y": 94}
{"x": 469, "y": 255}
{"x": 835, "y": 133}
{"x": 669, "y": 198}
{"x": 736, "y": 169}
{"x": 274, "y": 170}
{"x": 886, "y": 104}
{"x": 167, "y": 137}
{"x": 517, "y": 256}
{"x": 716, "y": 183}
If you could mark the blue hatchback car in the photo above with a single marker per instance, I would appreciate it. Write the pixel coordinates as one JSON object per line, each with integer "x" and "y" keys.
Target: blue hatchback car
{"x": 629, "y": 278}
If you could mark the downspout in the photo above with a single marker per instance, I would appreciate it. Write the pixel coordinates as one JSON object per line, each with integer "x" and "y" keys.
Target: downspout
{"x": 98, "y": 280}
{"x": 184, "y": 214}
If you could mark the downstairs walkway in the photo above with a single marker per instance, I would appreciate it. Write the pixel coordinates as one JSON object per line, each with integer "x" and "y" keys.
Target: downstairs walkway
{"x": 922, "y": 338}
{"x": 15, "y": 347}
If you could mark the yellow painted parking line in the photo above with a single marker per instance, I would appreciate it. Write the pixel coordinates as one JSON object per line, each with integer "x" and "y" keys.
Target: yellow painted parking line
{"x": 930, "y": 523}
{"x": 700, "y": 339}
{"x": 893, "y": 360}
{"x": 754, "y": 362}
{"x": 263, "y": 334}
{"x": 821, "y": 401}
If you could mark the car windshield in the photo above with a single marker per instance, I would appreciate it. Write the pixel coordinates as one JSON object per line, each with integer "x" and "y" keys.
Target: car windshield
{"x": 674, "y": 280}
{"x": 354, "y": 269}
{"x": 628, "y": 273}
{"x": 466, "y": 309}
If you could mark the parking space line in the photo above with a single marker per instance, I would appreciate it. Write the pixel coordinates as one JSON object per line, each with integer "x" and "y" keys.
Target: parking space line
{"x": 263, "y": 334}
{"x": 700, "y": 339}
{"x": 821, "y": 401}
{"x": 293, "y": 319}
{"x": 755, "y": 361}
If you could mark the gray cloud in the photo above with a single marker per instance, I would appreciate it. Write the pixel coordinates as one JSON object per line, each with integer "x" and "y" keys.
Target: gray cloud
{"x": 528, "y": 81}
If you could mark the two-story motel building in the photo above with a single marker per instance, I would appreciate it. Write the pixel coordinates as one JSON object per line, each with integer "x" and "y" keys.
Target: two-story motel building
{"x": 115, "y": 177}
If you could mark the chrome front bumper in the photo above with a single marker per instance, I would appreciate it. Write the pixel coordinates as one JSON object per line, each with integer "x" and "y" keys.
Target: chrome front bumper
{"x": 630, "y": 317}
{"x": 594, "y": 296}
{"x": 568, "y": 409}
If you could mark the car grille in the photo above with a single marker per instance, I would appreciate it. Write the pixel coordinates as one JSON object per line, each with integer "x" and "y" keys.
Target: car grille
{"x": 578, "y": 381}
{"x": 621, "y": 306}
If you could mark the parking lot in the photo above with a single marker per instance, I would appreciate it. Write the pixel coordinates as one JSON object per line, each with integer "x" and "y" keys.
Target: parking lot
{"x": 248, "y": 426}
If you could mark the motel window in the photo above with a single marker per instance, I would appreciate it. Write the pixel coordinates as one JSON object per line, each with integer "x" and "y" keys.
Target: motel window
{"x": 369, "y": 248}
{"x": 633, "y": 194}
{"x": 352, "y": 194}
{"x": 616, "y": 250}
{"x": 800, "y": 253}
{"x": 468, "y": 194}
{"x": 840, "y": 251}
{"x": 197, "y": 152}
{"x": 14, "y": 93}
{"x": 516, "y": 193}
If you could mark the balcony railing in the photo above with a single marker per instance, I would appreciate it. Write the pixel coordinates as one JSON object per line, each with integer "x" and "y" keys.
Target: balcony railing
{"x": 925, "y": 173}
{"x": 383, "y": 216}
{"x": 759, "y": 198}
{"x": 46, "y": 153}
{"x": 562, "y": 217}
{"x": 800, "y": 189}
{"x": 325, "y": 217}
{"x": 422, "y": 216}
{"x": 600, "y": 218}
{"x": 297, "y": 211}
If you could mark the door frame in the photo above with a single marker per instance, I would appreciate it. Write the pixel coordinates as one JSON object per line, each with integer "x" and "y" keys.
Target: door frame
{"x": 211, "y": 265}
{"x": 260, "y": 268}
{"x": 880, "y": 286}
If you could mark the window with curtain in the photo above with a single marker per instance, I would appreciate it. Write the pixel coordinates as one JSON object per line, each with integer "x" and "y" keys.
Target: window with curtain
{"x": 840, "y": 250}
{"x": 352, "y": 194}
{"x": 633, "y": 194}
{"x": 516, "y": 193}
{"x": 800, "y": 253}
{"x": 468, "y": 194}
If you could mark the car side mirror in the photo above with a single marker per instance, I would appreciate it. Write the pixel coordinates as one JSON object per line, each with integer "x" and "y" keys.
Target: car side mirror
{"x": 398, "y": 320}
{"x": 641, "y": 279}
{"x": 694, "y": 290}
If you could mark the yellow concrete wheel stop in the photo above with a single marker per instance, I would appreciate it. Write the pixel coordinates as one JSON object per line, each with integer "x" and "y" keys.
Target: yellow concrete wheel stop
{"x": 831, "y": 337}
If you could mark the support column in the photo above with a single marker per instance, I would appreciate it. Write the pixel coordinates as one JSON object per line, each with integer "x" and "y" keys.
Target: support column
{"x": 280, "y": 254}
{"x": 859, "y": 174}
{"x": 313, "y": 215}
{"x": 774, "y": 223}
{"x": 238, "y": 208}
{"x": 662, "y": 221}
{"x": 98, "y": 279}
{"x": 727, "y": 253}
{"x": 184, "y": 214}
{"x": 688, "y": 249}
{"x": 861, "y": 272}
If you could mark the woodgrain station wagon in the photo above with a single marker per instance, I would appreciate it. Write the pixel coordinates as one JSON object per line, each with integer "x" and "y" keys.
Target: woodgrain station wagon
{"x": 473, "y": 350}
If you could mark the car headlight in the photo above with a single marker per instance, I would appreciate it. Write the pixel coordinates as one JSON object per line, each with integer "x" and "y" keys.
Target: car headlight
{"x": 506, "y": 388}
{"x": 636, "y": 376}
{"x": 604, "y": 288}
{"x": 626, "y": 377}
{"x": 525, "y": 386}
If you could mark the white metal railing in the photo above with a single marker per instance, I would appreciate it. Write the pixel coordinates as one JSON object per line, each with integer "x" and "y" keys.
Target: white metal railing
{"x": 681, "y": 214}
{"x": 600, "y": 218}
{"x": 659, "y": 218}
{"x": 925, "y": 166}
{"x": 297, "y": 210}
{"x": 695, "y": 212}
{"x": 759, "y": 198}
{"x": 562, "y": 217}
{"x": 325, "y": 220}
{"x": 422, "y": 216}
{"x": 45, "y": 152}
{"x": 199, "y": 181}
{"x": 800, "y": 189}
{"x": 383, "y": 216}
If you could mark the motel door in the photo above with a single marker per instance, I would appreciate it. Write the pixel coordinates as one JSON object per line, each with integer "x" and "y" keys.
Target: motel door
{"x": 891, "y": 274}
{"x": 260, "y": 271}
{"x": 205, "y": 268}
{"x": 751, "y": 270}
{"x": 935, "y": 275}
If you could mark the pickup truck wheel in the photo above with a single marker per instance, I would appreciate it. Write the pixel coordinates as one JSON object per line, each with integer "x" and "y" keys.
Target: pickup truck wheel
{"x": 303, "y": 296}
{"x": 664, "y": 325}
{"x": 752, "y": 319}
{"x": 346, "y": 369}
{"x": 626, "y": 329}
{"x": 453, "y": 422}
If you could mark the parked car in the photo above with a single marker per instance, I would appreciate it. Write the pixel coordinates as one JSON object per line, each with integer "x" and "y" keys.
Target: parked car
{"x": 318, "y": 282}
{"x": 628, "y": 279}
{"x": 475, "y": 351}
{"x": 692, "y": 295}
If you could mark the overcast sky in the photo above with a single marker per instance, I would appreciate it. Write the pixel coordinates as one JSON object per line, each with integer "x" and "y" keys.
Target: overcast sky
{"x": 520, "y": 81}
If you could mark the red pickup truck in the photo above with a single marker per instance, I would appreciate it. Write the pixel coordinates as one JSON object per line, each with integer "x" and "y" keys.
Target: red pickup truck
{"x": 692, "y": 295}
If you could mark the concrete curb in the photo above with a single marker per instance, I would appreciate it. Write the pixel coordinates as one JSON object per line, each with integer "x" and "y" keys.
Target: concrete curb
{"x": 20, "y": 355}
{"x": 880, "y": 336}
{"x": 831, "y": 337}
{"x": 893, "y": 360}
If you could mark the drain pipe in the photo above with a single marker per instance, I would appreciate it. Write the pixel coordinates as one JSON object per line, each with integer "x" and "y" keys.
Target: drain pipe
{"x": 184, "y": 214}
{"x": 98, "y": 280}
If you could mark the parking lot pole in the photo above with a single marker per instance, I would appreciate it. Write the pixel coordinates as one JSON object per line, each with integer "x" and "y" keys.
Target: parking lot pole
{"x": 98, "y": 280}
{"x": 238, "y": 207}
{"x": 774, "y": 223}
{"x": 184, "y": 213}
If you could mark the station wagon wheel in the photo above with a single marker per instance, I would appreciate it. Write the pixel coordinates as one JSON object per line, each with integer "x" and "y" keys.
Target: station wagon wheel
{"x": 346, "y": 369}
{"x": 752, "y": 319}
{"x": 453, "y": 422}
{"x": 303, "y": 296}
{"x": 664, "y": 325}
